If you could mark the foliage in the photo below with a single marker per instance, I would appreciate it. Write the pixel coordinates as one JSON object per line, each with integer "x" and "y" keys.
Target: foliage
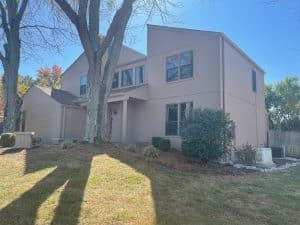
{"x": 8, "y": 140}
{"x": 249, "y": 154}
{"x": 206, "y": 134}
{"x": 131, "y": 148}
{"x": 150, "y": 151}
{"x": 49, "y": 77}
{"x": 67, "y": 144}
{"x": 164, "y": 145}
{"x": 161, "y": 143}
{"x": 155, "y": 141}
{"x": 24, "y": 83}
{"x": 283, "y": 104}
{"x": 36, "y": 141}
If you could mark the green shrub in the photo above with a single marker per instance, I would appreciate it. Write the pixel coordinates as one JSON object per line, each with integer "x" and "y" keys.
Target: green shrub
{"x": 249, "y": 154}
{"x": 67, "y": 144}
{"x": 155, "y": 141}
{"x": 131, "y": 148}
{"x": 164, "y": 145}
{"x": 150, "y": 151}
{"x": 8, "y": 139}
{"x": 206, "y": 134}
{"x": 36, "y": 141}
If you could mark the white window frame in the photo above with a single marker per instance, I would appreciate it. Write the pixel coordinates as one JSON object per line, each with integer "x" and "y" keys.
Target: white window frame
{"x": 178, "y": 115}
{"x": 178, "y": 55}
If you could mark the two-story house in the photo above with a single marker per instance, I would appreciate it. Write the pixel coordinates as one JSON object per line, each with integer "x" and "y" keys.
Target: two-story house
{"x": 151, "y": 95}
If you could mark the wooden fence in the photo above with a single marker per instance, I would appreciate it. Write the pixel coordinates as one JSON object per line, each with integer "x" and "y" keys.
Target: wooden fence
{"x": 290, "y": 140}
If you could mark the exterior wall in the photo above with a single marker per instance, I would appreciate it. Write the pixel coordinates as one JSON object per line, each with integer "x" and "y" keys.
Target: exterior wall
{"x": 74, "y": 122}
{"x": 202, "y": 89}
{"x": 71, "y": 77}
{"x": 43, "y": 114}
{"x": 246, "y": 108}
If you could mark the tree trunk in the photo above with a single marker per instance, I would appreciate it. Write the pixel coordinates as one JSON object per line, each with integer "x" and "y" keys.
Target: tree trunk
{"x": 12, "y": 101}
{"x": 94, "y": 86}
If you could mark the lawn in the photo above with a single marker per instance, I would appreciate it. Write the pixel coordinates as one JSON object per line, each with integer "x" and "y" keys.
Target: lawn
{"x": 105, "y": 185}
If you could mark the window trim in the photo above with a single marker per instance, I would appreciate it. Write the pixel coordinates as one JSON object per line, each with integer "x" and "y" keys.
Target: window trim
{"x": 178, "y": 72}
{"x": 80, "y": 85}
{"x": 135, "y": 74}
{"x": 124, "y": 86}
{"x": 178, "y": 115}
{"x": 118, "y": 74}
{"x": 178, "y": 55}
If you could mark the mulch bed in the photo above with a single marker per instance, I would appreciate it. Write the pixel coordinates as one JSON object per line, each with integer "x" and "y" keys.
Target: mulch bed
{"x": 175, "y": 160}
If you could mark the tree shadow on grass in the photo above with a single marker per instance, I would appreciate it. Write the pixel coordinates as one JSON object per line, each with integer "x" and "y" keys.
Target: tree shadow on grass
{"x": 71, "y": 169}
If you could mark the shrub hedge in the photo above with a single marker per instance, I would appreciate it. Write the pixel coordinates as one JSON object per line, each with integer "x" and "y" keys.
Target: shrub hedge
{"x": 206, "y": 134}
{"x": 155, "y": 141}
{"x": 8, "y": 139}
{"x": 164, "y": 145}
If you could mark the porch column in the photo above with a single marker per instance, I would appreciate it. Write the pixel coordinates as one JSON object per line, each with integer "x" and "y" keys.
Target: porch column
{"x": 124, "y": 122}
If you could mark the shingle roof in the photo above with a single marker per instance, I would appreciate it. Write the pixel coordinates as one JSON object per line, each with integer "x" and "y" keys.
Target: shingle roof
{"x": 61, "y": 96}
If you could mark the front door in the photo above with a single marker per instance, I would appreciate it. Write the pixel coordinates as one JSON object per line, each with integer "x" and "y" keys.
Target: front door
{"x": 115, "y": 116}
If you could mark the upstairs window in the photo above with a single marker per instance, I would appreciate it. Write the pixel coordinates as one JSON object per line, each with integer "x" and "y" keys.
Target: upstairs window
{"x": 139, "y": 75}
{"x": 127, "y": 77}
{"x": 176, "y": 115}
{"x": 172, "y": 68}
{"x": 253, "y": 80}
{"x": 180, "y": 66}
{"x": 83, "y": 85}
{"x": 115, "y": 81}
{"x": 186, "y": 65}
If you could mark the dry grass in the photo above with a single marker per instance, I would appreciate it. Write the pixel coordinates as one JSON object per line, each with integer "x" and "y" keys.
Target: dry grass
{"x": 105, "y": 185}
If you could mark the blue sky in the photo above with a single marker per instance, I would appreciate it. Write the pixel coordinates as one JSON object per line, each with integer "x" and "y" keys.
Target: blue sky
{"x": 268, "y": 33}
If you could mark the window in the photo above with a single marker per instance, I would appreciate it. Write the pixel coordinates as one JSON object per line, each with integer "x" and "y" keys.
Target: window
{"x": 186, "y": 65}
{"x": 172, "y": 68}
{"x": 83, "y": 85}
{"x": 127, "y": 77}
{"x": 139, "y": 75}
{"x": 180, "y": 66}
{"x": 253, "y": 81}
{"x": 115, "y": 81}
{"x": 176, "y": 114}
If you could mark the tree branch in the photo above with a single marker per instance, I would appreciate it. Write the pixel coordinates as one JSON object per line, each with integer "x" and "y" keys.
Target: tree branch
{"x": 94, "y": 23}
{"x": 4, "y": 19}
{"x": 22, "y": 10}
{"x": 2, "y": 58}
{"x": 71, "y": 14}
{"x": 115, "y": 25}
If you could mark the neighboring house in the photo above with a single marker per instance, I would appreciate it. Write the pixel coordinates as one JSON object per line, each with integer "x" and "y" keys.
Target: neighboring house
{"x": 151, "y": 95}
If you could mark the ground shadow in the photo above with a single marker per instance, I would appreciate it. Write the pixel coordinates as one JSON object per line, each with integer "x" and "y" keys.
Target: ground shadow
{"x": 71, "y": 170}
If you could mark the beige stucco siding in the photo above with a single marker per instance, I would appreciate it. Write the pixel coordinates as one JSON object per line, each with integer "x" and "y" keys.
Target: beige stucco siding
{"x": 164, "y": 42}
{"x": 43, "y": 114}
{"x": 246, "y": 107}
{"x": 74, "y": 122}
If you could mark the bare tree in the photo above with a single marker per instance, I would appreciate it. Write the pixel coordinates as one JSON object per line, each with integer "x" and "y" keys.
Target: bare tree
{"x": 22, "y": 33}
{"x": 11, "y": 13}
{"x": 103, "y": 53}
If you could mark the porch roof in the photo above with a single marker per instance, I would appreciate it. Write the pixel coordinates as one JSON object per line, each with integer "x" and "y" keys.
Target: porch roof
{"x": 136, "y": 92}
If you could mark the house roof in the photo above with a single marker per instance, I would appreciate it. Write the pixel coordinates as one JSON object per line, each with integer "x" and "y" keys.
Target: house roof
{"x": 61, "y": 96}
